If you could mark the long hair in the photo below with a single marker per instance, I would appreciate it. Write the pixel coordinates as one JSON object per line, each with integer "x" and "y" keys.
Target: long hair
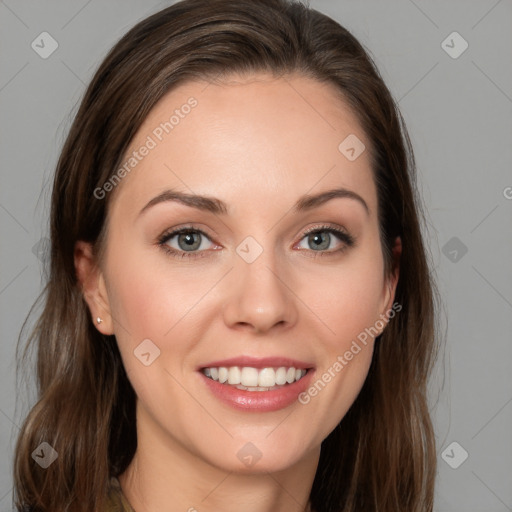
{"x": 381, "y": 457}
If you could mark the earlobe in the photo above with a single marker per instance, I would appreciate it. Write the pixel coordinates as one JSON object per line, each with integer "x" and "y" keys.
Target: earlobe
{"x": 92, "y": 284}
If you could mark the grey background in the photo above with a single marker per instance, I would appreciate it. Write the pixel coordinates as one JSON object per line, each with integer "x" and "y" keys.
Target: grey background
{"x": 458, "y": 112}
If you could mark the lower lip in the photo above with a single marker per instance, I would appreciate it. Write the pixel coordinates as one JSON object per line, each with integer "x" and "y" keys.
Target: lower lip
{"x": 259, "y": 401}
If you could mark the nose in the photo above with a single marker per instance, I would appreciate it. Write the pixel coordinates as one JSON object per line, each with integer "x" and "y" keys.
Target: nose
{"x": 260, "y": 296}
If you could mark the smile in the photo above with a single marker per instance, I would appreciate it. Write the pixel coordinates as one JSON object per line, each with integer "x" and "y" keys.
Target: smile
{"x": 255, "y": 379}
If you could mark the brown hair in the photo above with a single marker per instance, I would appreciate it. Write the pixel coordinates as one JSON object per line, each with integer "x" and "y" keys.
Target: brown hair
{"x": 382, "y": 454}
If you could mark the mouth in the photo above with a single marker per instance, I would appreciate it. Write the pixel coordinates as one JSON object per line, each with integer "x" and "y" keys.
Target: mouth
{"x": 249, "y": 378}
{"x": 257, "y": 384}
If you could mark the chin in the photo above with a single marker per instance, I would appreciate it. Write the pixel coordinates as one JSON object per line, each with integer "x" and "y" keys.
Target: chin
{"x": 260, "y": 455}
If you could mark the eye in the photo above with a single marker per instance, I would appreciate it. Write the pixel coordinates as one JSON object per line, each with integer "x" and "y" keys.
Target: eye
{"x": 191, "y": 242}
{"x": 322, "y": 238}
{"x": 187, "y": 242}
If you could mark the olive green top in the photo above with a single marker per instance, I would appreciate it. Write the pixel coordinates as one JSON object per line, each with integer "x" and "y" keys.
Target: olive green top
{"x": 117, "y": 501}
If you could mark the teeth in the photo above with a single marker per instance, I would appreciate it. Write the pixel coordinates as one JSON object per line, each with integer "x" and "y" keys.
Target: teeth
{"x": 234, "y": 375}
{"x": 267, "y": 377}
{"x": 281, "y": 376}
{"x": 254, "y": 379}
{"x": 223, "y": 375}
{"x": 249, "y": 376}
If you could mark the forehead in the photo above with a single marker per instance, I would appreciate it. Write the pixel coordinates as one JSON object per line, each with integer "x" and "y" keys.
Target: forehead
{"x": 247, "y": 139}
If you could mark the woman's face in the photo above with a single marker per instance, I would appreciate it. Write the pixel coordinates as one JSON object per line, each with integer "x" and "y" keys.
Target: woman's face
{"x": 247, "y": 284}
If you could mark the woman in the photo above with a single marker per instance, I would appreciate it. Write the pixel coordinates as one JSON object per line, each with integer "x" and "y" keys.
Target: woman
{"x": 239, "y": 313}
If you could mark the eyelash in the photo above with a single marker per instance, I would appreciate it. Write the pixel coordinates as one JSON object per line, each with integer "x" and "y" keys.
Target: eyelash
{"x": 348, "y": 240}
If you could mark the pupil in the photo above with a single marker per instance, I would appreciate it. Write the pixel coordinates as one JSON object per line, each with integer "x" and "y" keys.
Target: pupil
{"x": 319, "y": 238}
{"x": 188, "y": 239}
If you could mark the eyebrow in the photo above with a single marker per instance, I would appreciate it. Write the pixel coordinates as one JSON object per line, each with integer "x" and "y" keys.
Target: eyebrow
{"x": 218, "y": 207}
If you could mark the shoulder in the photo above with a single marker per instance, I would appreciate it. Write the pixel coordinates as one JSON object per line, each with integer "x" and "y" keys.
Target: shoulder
{"x": 117, "y": 501}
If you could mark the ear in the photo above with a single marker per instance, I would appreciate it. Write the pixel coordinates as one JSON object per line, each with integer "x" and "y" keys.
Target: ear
{"x": 93, "y": 287}
{"x": 392, "y": 279}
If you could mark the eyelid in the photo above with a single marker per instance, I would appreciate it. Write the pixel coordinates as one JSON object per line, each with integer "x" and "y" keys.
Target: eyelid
{"x": 329, "y": 227}
{"x": 170, "y": 232}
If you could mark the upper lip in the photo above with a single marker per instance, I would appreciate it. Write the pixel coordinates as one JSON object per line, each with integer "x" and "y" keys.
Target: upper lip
{"x": 259, "y": 362}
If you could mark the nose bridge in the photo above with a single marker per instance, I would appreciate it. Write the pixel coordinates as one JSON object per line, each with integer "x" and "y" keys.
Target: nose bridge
{"x": 258, "y": 295}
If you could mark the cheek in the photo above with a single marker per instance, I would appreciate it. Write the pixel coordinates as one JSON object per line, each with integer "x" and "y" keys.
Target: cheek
{"x": 150, "y": 295}
{"x": 349, "y": 309}
{"x": 346, "y": 297}
{"x": 350, "y": 303}
{"x": 168, "y": 303}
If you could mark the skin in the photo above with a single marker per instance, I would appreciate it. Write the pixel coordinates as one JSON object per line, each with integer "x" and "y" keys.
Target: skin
{"x": 258, "y": 145}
